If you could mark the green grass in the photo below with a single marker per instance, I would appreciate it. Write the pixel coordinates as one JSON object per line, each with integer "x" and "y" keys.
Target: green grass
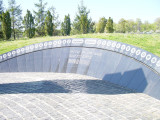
{"x": 149, "y": 42}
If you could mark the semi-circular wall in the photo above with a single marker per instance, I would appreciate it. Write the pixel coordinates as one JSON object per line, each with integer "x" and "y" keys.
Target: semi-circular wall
{"x": 112, "y": 61}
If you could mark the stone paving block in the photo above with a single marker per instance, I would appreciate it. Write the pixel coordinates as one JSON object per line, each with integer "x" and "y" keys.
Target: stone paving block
{"x": 32, "y": 96}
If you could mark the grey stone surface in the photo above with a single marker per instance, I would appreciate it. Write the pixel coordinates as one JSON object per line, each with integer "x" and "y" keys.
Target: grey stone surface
{"x": 58, "y": 96}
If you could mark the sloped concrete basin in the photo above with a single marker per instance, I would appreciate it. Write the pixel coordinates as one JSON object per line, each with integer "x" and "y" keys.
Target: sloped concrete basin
{"x": 118, "y": 63}
{"x": 78, "y": 79}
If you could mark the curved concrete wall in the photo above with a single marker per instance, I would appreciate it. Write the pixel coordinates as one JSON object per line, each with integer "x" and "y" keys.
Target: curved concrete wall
{"x": 112, "y": 61}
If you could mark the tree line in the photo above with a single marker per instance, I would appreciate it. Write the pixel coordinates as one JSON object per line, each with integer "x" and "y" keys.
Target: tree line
{"x": 44, "y": 22}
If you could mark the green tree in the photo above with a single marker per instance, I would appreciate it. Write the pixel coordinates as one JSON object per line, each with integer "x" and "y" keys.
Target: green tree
{"x": 40, "y": 16}
{"x": 66, "y": 25}
{"x": 101, "y": 25}
{"x": 92, "y": 27}
{"x": 109, "y": 25}
{"x": 48, "y": 24}
{"x": 146, "y": 26}
{"x": 16, "y": 18}
{"x": 81, "y": 23}
{"x": 115, "y": 26}
{"x": 138, "y": 24}
{"x": 1, "y": 6}
{"x": 6, "y": 25}
{"x": 122, "y": 25}
{"x": 1, "y": 11}
{"x": 55, "y": 20}
{"x": 130, "y": 26}
{"x": 157, "y": 23}
{"x": 28, "y": 23}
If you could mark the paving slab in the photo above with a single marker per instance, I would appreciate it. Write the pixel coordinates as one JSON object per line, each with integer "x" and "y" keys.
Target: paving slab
{"x": 59, "y": 96}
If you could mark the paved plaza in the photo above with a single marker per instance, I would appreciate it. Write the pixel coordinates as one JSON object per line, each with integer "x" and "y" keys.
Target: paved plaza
{"x": 58, "y": 96}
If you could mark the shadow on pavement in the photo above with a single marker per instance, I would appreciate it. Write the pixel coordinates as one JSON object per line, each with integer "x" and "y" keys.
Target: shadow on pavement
{"x": 64, "y": 86}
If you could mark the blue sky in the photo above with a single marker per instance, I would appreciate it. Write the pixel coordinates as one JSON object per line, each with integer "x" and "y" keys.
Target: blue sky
{"x": 127, "y": 9}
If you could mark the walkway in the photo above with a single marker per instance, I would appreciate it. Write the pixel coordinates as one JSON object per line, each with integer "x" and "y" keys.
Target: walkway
{"x": 57, "y": 96}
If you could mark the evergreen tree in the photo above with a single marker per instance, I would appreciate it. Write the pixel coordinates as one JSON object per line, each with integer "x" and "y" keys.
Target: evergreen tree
{"x": 40, "y": 16}
{"x": 29, "y": 25}
{"x": 109, "y": 26}
{"x": 82, "y": 23}
{"x": 63, "y": 29}
{"x": 55, "y": 20}
{"x": 101, "y": 25}
{"x": 1, "y": 7}
{"x": 48, "y": 24}
{"x": 66, "y": 25}
{"x": 92, "y": 27}
{"x": 6, "y": 25}
{"x": 1, "y": 11}
{"x": 16, "y": 18}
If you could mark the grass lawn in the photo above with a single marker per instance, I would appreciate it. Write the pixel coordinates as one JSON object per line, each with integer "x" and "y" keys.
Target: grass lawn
{"x": 149, "y": 42}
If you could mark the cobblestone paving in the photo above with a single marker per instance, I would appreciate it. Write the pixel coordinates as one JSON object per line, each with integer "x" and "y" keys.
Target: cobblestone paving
{"x": 55, "y": 96}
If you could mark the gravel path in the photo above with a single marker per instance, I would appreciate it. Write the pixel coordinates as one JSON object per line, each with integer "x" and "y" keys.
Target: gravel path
{"x": 58, "y": 96}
